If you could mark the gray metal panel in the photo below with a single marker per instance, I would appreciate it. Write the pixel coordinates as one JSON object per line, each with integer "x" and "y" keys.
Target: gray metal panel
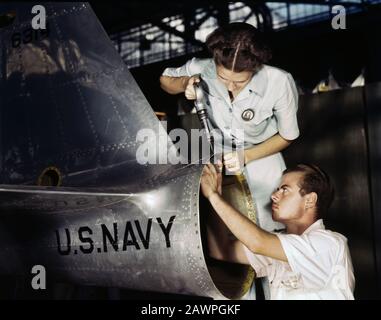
{"x": 333, "y": 136}
{"x": 178, "y": 268}
{"x": 69, "y": 101}
{"x": 373, "y": 103}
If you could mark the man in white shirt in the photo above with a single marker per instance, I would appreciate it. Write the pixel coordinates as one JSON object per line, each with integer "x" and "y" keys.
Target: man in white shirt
{"x": 307, "y": 261}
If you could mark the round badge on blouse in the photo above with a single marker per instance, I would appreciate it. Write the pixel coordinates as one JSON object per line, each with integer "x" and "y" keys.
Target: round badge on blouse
{"x": 248, "y": 114}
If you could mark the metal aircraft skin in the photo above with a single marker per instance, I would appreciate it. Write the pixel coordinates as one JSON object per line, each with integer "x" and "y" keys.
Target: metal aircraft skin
{"x": 70, "y": 112}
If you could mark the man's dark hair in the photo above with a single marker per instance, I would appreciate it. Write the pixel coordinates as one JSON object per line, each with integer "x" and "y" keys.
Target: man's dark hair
{"x": 238, "y": 47}
{"x": 315, "y": 180}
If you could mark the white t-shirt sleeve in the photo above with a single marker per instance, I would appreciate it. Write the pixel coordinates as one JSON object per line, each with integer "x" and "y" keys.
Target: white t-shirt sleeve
{"x": 259, "y": 263}
{"x": 285, "y": 110}
{"x": 313, "y": 256}
{"x": 189, "y": 69}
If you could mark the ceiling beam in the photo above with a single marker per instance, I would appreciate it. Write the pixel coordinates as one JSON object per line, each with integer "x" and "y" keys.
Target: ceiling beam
{"x": 316, "y": 2}
{"x": 178, "y": 33}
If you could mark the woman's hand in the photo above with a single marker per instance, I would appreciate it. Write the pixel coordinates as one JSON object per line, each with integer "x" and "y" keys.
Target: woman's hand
{"x": 234, "y": 161}
{"x": 211, "y": 179}
{"x": 190, "y": 93}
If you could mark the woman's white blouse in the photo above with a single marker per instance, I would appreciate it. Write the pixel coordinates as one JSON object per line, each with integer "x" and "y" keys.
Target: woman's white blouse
{"x": 266, "y": 106}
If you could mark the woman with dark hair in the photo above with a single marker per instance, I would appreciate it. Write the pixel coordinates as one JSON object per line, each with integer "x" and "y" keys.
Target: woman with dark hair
{"x": 243, "y": 92}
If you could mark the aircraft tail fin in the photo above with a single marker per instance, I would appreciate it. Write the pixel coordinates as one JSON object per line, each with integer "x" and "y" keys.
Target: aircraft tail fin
{"x": 67, "y": 98}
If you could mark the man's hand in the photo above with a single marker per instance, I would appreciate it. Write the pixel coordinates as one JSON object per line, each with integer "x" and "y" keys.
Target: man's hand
{"x": 190, "y": 93}
{"x": 211, "y": 179}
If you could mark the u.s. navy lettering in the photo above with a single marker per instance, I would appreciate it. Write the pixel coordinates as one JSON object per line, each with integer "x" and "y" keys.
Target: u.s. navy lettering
{"x": 131, "y": 234}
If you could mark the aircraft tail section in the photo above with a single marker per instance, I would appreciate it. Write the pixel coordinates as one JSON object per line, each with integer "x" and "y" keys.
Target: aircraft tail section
{"x": 67, "y": 99}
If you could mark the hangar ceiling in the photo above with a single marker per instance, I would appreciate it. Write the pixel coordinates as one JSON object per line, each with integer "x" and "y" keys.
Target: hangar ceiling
{"x": 149, "y": 31}
{"x": 117, "y": 16}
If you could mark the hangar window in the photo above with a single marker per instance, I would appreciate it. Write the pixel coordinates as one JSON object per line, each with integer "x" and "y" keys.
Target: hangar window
{"x": 185, "y": 32}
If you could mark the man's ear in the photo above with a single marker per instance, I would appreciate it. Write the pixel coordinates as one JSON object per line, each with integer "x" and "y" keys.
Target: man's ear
{"x": 311, "y": 200}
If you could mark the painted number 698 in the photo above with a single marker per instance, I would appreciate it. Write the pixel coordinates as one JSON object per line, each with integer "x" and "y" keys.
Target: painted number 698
{"x": 28, "y": 35}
